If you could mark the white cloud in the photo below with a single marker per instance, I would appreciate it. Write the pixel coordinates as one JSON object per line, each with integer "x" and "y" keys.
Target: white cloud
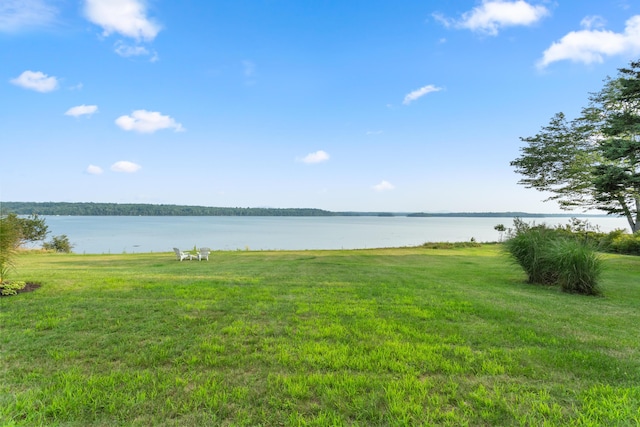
{"x": 36, "y": 80}
{"x": 125, "y": 17}
{"x": 17, "y": 15}
{"x": 125, "y": 166}
{"x": 493, "y": 15}
{"x": 126, "y": 50}
{"x": 420, "y": 93}
{"x": 595, "y": 21}
{"x": 384, "y": 186}
{"x": 317, "y": 157}
{"x": 94, "y": 170}
{"x": 81, "y": 110}
{"x": 144, "y": 121}
{"x": 592, "y": 45}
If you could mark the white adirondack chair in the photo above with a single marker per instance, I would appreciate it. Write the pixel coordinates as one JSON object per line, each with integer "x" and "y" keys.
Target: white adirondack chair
{"x": 203, "y": 253}
{"x": 182, "y": 255}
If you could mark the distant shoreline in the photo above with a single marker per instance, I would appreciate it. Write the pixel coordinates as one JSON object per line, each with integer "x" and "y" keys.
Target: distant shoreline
{"x": 141, "y": 209}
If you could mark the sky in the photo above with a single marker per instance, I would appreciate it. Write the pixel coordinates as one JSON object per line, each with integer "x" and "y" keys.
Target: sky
{"x": 343, "y": 105}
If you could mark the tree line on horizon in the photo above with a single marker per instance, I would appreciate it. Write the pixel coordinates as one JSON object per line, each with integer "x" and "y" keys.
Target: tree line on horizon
{"x": 135, "y": 209}
{"x": 141, "y": 209}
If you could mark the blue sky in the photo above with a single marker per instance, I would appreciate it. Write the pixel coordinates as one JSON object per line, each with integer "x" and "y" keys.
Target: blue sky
{"x": 373, "y": 105}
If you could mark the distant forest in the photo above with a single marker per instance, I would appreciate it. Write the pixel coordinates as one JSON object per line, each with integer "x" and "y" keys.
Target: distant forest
{"x": 133, "y": 209}
{"x": 495, "y": 215}
{"x": 117, "y": 209}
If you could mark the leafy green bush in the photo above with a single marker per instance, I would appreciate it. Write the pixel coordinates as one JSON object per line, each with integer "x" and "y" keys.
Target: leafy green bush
{"x": 619, "y": 241}
{"x": 59, "y": 244}
{"x": 11, "y": 288}
{"x": 576, "y": 264}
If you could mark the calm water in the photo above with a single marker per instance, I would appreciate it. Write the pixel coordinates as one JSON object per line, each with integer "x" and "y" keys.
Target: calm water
{"x": 108, "y": 234}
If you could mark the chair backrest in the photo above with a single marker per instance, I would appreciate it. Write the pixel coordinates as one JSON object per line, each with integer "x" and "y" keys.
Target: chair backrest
{"x": 179, "y": 254}
{"x": 203, "y": 253}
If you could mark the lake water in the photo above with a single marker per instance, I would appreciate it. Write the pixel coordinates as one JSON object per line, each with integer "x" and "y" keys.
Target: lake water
{"x": 125, "y": 234}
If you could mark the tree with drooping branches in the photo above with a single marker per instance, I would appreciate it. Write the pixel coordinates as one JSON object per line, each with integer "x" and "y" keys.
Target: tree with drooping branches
{"x": 593, "y": 161}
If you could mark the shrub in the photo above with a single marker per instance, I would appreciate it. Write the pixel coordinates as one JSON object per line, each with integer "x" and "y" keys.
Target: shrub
{"x": 555, "y": 256}
{"x": 618, "y": 241}
{"x": 576, "y": 264}
{"x": 500, "y": 228}
{"x": 9, "y": 242}
{"x": 59, "y": 244}
{"x": 527, "y": 246}
{"x": 14, "y": 232}
{"x": 451, "y": 245}
{"x": 11, "y": 288}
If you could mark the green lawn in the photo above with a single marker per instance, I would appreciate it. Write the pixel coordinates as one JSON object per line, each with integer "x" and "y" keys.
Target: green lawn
{"x": 384, "y": 337}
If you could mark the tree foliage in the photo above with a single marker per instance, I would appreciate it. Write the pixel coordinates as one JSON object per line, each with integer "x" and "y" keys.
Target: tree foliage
{"x": 9, "y": 242}
{"x": 27, "y": 229}
{"x": 134, "y": 209}
{"x": 59, "y": 244}
{"x": 15, "y": 232}
{"x": 593, "y": 161}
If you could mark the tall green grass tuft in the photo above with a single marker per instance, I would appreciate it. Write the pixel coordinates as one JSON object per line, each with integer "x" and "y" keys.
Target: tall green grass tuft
{"x": 577, "y": 264}
{"x": 555, "y": 257}
{"x": 528, "y": 247}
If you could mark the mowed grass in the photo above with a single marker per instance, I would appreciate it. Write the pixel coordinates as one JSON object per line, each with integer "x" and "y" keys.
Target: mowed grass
{"x": 386, "y": 337}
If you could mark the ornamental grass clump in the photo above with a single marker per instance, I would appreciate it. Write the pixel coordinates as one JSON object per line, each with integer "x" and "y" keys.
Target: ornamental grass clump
{"x": 553, "y": 257}
{"x": 528, "y": 246}
{"x": 577, "y": 265}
